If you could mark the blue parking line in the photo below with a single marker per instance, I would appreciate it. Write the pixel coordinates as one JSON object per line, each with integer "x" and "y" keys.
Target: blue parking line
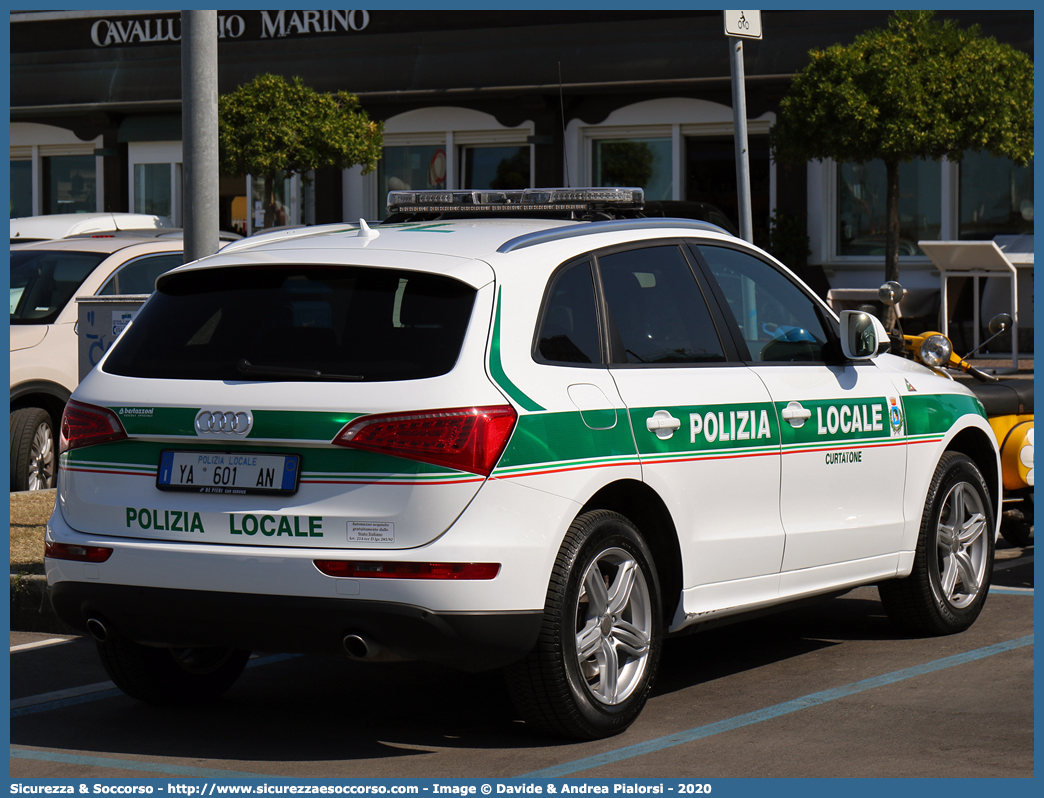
{"x": 143, "y": 767}
{"x": 1013, "y": 591}
{"x": 787, "y": 707}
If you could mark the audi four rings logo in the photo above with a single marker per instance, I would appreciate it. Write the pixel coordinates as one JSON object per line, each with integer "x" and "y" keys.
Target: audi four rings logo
{"x": 228, "y": 423}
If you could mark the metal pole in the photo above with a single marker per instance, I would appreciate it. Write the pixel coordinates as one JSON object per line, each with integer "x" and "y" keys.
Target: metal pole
{"x": 199, "y": 132}
{"x": 739, "y": 114}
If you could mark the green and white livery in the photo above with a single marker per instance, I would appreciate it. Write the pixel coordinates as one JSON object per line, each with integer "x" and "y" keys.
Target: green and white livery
{"x": 531, "y": 442}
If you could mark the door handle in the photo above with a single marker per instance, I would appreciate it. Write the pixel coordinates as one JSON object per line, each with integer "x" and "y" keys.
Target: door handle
{"x": 663, "y": 424}
{"x": 796, "y": 414}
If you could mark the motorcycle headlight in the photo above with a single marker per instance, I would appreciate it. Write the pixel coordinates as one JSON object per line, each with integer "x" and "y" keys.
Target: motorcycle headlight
{"x": 936, "y": 350}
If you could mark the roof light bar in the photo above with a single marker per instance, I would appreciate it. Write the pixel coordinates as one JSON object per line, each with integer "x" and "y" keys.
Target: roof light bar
{"x": 529, "y": 199}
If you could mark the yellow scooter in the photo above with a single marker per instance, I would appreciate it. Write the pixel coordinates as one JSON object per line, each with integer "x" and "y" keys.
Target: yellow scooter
{"x": 1009, "y": 410}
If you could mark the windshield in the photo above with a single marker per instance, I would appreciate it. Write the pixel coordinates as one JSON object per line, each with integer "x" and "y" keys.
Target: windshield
{"x": 293, "y": 323}
{"x": 43, "y": 282}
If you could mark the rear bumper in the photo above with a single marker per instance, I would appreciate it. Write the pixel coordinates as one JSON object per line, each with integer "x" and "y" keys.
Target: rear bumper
{"x": 193, "y": 618}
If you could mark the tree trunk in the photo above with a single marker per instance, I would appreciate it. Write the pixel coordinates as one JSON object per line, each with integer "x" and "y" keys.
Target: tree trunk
{"x": 892, "y": 233}
{"x": 269, "y": 193}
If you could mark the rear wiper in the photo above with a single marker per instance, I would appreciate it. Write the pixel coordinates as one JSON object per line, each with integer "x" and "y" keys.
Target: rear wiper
{"x": 247, "y": 368}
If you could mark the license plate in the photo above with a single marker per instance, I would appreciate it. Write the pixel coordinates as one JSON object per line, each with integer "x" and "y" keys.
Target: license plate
{"x": 228, "y": 472}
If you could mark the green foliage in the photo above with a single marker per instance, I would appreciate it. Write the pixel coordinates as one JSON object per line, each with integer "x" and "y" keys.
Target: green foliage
{"x": 626, "y": 163}
{"x": 513, "y": 172}
{"x": 271, "y": 125}
{"x": 916, "y": 89}
{"x": 788, "y": 240}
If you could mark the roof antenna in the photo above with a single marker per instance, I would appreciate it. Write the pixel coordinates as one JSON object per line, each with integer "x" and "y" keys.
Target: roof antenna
{"x": 365, "y": 231}
{"x": 561, "y": 104}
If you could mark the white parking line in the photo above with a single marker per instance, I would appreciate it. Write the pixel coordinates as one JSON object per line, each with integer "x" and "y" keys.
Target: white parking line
{"x": 51, "y": 641}
{"x": 58, "y": 695}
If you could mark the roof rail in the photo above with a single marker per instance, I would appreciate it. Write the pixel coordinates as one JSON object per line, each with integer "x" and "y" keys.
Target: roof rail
{"x": 593, "y": 228}
{"x": 288, "y": 232}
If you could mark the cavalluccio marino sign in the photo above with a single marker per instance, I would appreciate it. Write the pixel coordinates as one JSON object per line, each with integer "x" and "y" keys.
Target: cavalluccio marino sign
{"x": 246, "y": 25}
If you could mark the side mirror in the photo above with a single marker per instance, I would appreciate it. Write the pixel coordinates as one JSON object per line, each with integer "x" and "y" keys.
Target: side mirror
{"x": 862, "y": 335}
{"x": 891, "y": 293}
{"x": 1000, "y": 323}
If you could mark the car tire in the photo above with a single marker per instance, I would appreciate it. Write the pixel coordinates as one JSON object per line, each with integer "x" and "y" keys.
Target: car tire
{"x": 594, "y": 663}
{"x": 953, "y": 562}
{"x": 33, "y": 451}
{"x": 171, "y": 676}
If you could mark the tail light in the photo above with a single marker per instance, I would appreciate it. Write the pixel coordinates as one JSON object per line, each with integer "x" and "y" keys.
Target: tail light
{"x": 66, "y": 551}
{"x": 85, "y": 425}
{"x": 408, "y": 570}
{"x": 465, "y": 438}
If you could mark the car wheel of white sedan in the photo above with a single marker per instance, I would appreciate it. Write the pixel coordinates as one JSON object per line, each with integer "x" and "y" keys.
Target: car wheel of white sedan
{"x": 591, "y": 671}
{"x": 954, "y": 559}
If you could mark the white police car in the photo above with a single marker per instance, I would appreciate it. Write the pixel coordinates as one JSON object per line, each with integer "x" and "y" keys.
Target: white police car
{"x": 485, "y": 437}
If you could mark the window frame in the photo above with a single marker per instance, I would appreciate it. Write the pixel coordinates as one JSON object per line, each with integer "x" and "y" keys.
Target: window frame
{"x": 114, "y": 276}
{"x": 34, "y": 142}
{"x": 156, "y": 153}
{"x": 545, "y": 307}
{"x": 827, "y": 319}
{"x": 446, "y": 126}
{"x": 611, "y": 358}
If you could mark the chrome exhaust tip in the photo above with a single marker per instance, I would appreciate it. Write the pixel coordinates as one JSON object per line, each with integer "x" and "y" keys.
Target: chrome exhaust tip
{"x": 359, "y": 647}
{"x": 97, "y": 630}
{"x": 366, "y": 649}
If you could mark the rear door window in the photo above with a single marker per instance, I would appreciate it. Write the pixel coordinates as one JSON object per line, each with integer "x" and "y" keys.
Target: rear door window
{"x": 657, "y": 311}
{"x": 297, "y": 323}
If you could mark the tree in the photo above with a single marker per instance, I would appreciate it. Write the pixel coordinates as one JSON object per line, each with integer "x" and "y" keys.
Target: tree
{"x": 272, "y": 125}
{"x": 915, "y": 89}
{"x": 626, "y": 163}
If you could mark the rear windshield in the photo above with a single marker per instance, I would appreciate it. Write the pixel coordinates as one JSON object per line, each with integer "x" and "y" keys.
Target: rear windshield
{"x": 297, "y": 323}
{"x": 43, "y": 282}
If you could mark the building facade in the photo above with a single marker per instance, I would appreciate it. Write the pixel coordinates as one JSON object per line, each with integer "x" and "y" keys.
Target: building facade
{"x": 493, "y": 99}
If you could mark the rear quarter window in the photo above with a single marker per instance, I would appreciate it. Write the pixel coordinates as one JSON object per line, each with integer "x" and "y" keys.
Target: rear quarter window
{"x": 294, "y": 323}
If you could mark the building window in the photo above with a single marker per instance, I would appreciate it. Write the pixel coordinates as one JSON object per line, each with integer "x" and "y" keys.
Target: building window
{"x": 996, "y": 197}
{"x": 642, "y": 162}
{"x": 410, "y": 167}
{"x": 441, "y": 148}
{"x": 21, "y": 188}
{"x": 710, "y": 177}
{"x": 152, "y": 189}
{"x": 69, "y": 184}
{"x": 495, "y": 167}
{"x": 862, "y": 211}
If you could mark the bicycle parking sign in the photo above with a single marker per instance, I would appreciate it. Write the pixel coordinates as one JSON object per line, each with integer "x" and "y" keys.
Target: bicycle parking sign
{"x": 743, "y": 24}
